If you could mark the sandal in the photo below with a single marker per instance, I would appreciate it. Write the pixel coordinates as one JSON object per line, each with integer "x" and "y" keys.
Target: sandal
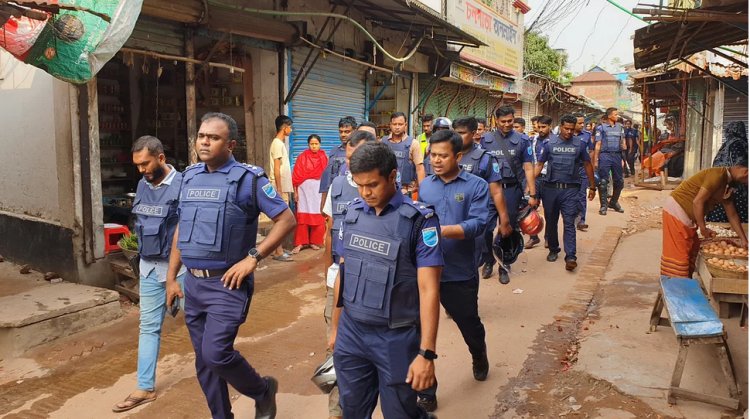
{"x": 314, "y": 247}
{"x": 283, "y": 258}
{"x": 132, "y": 402}
{"x": 296, "y": 250}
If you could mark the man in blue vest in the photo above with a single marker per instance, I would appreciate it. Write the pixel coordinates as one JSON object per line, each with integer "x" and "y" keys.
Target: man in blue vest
{"x": 408, "y": 154}
{"x": 336, "y": 156}
{"x": 385, "y": 322}
{"x": 631, "y": 145}
{"x": 155, "y": 208}
{"x": 564, "y": 155}
{"x": 343, "y": 190}
{"x": 585, "y": 138}
{"x": 510, "y": 148}
{"x": 220, "y": 202}
{"x": 610, "y": 142}
{"x": 542, "y": 128}
{"x": 461, "y": 202}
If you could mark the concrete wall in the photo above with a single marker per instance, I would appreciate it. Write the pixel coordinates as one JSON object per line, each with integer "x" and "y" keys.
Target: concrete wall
{"x": 265, "y": 104}
{"x": 605, "y": 93}
{"x": 35, "y": 116}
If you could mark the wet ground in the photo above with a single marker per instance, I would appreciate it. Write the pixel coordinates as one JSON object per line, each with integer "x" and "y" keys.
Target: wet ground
{"x": 550, "y": 334}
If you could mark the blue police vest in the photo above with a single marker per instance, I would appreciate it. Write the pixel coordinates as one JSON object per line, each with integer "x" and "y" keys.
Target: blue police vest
{"x": 473, "y": 161}
{"x": 338, "y": 160}
{"x": 563, "y": 165}
{"x": 156, "y": 217}
{"x": 611, "y": 136}
{"x": 212, "y": 224}
{"x": 492, "y": 145}
{"x": 342, "y": 193}
{"x": 407, "y": 171}
{"x": 380, "y": 275}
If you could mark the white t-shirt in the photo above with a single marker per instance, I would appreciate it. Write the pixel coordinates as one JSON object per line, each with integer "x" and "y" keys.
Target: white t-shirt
{"x": 279, "y": 151}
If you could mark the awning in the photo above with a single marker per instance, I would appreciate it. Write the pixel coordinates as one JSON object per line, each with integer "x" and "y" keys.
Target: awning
{"x": 662, "y": 42}
{"x": 410, "y": 15}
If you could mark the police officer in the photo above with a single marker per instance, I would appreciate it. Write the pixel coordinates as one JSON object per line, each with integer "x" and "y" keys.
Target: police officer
{"x": 385, "y": 323}
{"x": 564, "y": 155}
{"x": 408, "y": 154}
{"x": 336, "y": 157}
{"x": 585, "y": 137}
{"x": 631, "y": 145}
{"x": 461, "y": 203}
{"x": 342, "y": 191}
{"x": 424, "y": 137}
{"x": 509, "y": 147}
{"x": 610, "y": 141}
{"x": 155, "y": 208}
{"x": 220, "y": 202}
{"x": 542, "y": 125}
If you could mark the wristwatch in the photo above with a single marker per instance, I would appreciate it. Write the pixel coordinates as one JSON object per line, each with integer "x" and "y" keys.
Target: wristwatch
{"x": 254, "y": 253}
{"x": 428, "y": 354}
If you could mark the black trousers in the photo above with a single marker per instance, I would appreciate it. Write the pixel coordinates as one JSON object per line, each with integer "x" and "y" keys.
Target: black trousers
{"x": 460, "y": 300}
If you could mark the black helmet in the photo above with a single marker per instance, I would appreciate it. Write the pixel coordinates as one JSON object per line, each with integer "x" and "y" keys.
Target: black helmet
{"x": 441, "y": 123}
{"x": 508, "y": 248}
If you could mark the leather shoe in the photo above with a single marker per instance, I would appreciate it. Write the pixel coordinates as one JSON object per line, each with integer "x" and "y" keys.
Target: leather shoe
{"x": 533, "y": 241}
{"x": 480, "y": 365}
{"x": 266, "y": 408}
{"x": 431, "y": 416}
{"x": 429, "y": 404}
{"x": 504, "y": 277}
{"x": 582, "y": 226}
{"x": 552, "y": 256}
{"x": 570, "y": 264}
{"x": 486, "y": 271}
{"x": 616, "y": 206}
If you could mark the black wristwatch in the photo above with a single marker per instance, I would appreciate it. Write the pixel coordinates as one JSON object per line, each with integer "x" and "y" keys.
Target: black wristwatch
{"x": 254, "y": 253}
{"x": 428, "y": 354}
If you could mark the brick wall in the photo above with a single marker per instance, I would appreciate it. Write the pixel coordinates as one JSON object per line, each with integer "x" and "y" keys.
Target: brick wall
{"x": 604, "y": 92}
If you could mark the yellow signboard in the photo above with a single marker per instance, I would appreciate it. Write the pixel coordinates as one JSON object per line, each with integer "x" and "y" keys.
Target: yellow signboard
{"x": 496, "y": 23}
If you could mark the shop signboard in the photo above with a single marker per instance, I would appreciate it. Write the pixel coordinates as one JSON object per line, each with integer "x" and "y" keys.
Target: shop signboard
{"x": 529, "y": 91}
{"x": 482, "y": 79}
{"x": 435, "y": 5}
{"x": 498, "y": 24}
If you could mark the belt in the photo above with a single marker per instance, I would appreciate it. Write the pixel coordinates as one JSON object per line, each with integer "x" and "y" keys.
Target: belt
{"x": 207, "y": 273}
{"x": 507, "y": 185}
{"x": 612, "y": 152}
{"x": 560, "y": 185}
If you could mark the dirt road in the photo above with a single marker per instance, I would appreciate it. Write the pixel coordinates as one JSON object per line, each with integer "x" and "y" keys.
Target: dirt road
{"x": 534, "y": 335}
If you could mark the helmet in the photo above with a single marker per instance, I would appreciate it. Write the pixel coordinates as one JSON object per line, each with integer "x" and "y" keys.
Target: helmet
{"x": 529, "y": 221}
{"x": 441, "y": 123}
{"x": 325, "y": 376}
{"x": 508, "y": 248}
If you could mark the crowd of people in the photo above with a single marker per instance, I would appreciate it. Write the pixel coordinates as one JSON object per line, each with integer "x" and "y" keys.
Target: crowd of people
{"x": 410, "y": 223}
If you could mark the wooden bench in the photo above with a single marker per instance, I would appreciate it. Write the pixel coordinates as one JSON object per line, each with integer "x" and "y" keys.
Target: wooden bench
{"x": 694, "y": 321}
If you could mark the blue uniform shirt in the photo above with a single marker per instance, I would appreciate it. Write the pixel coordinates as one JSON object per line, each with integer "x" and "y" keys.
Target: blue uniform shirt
{"x": 336, "y": 157}
{"x": 585, "y": 136}
{"x": 462, "y": 201}
{"x": 487, "y": 169}
{"x": 581, "y": 156}
{"x": 631, "y": 133}
{"x": 425, "y": 255}
{"x": 269, "y": 203}
{"x": 534, "y": 150}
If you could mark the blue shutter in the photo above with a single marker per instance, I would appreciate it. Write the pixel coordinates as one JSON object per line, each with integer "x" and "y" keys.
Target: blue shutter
{"x": 335, "y": 88}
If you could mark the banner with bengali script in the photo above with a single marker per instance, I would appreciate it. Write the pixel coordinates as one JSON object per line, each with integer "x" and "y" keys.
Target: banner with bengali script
{"x": 496, "y": 23}
{"x": 71, "y": 40}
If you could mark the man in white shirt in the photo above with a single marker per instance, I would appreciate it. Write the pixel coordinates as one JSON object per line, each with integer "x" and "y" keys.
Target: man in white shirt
{"x": 280, "y": 172}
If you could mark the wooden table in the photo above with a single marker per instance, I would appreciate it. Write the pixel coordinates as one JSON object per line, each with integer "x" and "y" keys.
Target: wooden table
{"x": 723, "y": 291}
{"x": 127, "y": 282}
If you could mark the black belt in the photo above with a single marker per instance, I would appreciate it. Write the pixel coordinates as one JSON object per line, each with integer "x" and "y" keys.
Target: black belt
{"x": 560, "y": 185}
{"x": 207, "y": 273}
{"x": 612, "y": 152}
{"x": 507, "y": 185}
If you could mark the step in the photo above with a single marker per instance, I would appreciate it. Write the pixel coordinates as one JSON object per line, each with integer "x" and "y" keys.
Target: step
{"x": 49, "y": 311}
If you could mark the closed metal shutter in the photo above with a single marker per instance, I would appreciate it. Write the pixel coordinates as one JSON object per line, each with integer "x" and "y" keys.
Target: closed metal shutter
{"x": 469, "y": 102}
{"x": 333, "y": 89}
{"x": 156, "y": 35}
{"x": 735, "y": 107}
